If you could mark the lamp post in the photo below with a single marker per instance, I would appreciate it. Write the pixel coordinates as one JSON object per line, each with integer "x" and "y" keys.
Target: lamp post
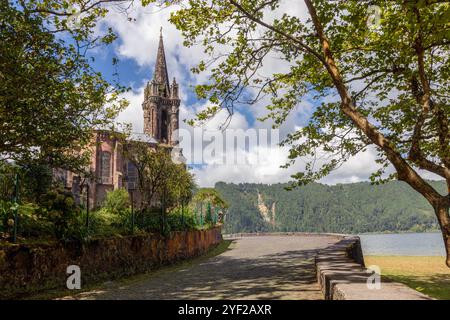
{"x": 132, "y": 210}
{"x": 163, "y": 211}
{"x": 182, "y": 213}
{"x": 86, "y": 185}
{"x": 201, "y": 214}
{"x": 16, "y": 206}
{"x": 131, "y": 189}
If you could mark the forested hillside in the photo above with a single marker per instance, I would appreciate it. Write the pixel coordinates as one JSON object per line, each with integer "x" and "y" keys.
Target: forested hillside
{"x": 344, "y": 208}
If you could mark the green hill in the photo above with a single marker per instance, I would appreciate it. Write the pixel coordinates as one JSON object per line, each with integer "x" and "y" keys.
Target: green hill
{"x": 343, "y": 208}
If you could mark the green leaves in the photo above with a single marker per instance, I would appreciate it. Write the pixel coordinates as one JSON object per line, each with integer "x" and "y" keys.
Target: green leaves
{"x": 210, "y": 195}
{"x": 51, "y": 98}
{"x": 117, "y": 202}
{"x": 375, "y": 49}
{"x": 159, "y": 177}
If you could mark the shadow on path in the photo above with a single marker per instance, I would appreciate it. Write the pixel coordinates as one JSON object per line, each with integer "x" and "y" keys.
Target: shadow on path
{"x": 254, "y": 268}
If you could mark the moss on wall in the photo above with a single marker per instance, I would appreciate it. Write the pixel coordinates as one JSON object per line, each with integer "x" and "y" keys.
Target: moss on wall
{"x": 26, "y": 269}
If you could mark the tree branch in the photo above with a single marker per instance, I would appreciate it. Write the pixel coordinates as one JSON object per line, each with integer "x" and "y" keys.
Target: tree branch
{"x": 303, "y": 46}
{"x": 404, "y": 170}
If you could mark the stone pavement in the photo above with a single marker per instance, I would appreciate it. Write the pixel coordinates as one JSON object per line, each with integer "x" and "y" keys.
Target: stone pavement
{"x": 260, "y": 267}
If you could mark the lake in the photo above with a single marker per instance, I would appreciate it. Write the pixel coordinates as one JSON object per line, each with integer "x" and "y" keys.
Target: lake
{"x": 403, "y": 244}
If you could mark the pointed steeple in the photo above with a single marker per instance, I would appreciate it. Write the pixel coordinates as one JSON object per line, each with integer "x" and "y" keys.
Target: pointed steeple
{"x": 162, "y": 103}
{"x": 160, "y": 74}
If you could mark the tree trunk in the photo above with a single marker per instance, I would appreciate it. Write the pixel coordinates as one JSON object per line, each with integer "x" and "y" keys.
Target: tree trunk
{"x": 442, "y": 214}
{"x": 404, "y": 171}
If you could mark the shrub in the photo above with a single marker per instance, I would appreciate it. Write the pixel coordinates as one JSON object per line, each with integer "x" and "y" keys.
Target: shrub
{"x": 117, "y": 202}
{"x": 30, "y": 224}
{"x": 115, "y": 215}
{"x": 36, "y": 180}
{"x": 180, "y": 221}
{"x": 150, "y": 220}
{"x": 6, "y": 218}
{"x": 103, "y": 222}
{"x": 59, "y": 208}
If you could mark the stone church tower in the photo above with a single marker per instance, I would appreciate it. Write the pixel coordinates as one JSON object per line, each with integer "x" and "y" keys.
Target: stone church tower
{"x": 161, "y": 102}
{"x": 110, "y": 166}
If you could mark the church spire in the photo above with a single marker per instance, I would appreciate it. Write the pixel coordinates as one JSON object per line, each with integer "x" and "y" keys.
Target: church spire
{"x": 160, "y": 74}
{"x": 161, "y": 102}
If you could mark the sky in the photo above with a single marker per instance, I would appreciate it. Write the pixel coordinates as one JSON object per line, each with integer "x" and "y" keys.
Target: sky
{"x": 136, "y": 47}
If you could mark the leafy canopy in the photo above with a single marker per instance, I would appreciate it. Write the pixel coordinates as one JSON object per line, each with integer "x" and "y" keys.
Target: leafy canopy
{"x": 51, "y": 97}
{"x": 160, "y": 180}
{"x": 210, "y": 195}
{"x": 380, "y": 64}
{"x": 378, "y": 78}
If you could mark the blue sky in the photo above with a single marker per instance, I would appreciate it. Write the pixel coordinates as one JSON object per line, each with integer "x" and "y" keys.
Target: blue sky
{"x": 130, "y": 74}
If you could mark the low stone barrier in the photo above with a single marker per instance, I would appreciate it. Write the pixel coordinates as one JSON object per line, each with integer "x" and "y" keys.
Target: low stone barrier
{"x": 25, "y": 269}
{"x": 342, "y": 275}
{"x": 275, "y": 234}
{"x": 341, "y": 272}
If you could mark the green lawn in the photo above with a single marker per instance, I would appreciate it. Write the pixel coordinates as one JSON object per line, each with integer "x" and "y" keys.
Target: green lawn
{"x": 428, "y": 275}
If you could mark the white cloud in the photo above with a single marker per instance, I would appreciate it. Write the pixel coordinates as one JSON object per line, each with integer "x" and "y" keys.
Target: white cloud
{"x": 357, "y": 168}
{"x": 138, "y": 33}
{"x": 134, "y": 114}
{"x": 260, "y": 172}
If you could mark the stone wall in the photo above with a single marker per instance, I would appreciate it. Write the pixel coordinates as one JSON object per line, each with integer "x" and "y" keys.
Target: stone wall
{"x": 342, "y": 275}
{"x": 25, "y": 269}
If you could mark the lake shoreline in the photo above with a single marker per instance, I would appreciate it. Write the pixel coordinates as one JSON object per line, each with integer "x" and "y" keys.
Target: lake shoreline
{"x": 398, "y": 232}
{"x": 403, "y": 244}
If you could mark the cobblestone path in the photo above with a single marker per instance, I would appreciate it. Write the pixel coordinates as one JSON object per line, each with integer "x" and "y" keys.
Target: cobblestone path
{"x": 258, "y": 267}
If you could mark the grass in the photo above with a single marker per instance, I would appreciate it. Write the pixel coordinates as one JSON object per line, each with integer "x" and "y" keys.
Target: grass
{"x": 128, "y": 280}
{"x": 428, "y": 275}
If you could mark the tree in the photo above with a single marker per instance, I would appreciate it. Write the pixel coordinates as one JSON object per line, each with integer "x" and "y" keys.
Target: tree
{"x": 159, "y": 178}
{"x": 387, "y": 81}
{"x": 343, "y": 208}
{"x": 51, "y": 98}
{"x": 33, "y": 179}
{"x": 212, "y": 197}
{"x": 117, "y": 202}
{"x": 181, "y": 186}
{"x": 36, "y": 180}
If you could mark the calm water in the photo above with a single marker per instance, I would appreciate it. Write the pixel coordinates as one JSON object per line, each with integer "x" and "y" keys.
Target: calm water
{"x": 403, "y": 244}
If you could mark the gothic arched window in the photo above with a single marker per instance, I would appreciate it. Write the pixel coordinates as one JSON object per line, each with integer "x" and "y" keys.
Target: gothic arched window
{"x": 152, "y": 121}
{"x": 164, "y": 126}
{"x": 105, "y": 167}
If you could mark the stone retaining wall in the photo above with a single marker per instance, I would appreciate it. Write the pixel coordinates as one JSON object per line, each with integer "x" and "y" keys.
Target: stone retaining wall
{"x": 26, "y": 269}
{"x": 342, "y": 275}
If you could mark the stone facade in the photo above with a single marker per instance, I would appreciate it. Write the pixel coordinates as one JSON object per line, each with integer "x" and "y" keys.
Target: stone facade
{"x": 109, "y": 165}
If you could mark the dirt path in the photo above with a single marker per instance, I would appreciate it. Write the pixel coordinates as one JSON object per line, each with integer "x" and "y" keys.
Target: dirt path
{"x": 261, "y": 267}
